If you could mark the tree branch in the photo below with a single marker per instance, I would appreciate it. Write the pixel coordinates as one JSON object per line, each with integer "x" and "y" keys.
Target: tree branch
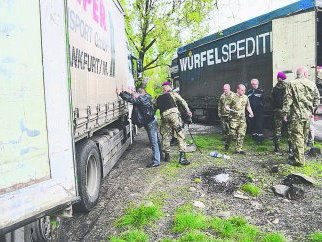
{"x": 149, "y": 45}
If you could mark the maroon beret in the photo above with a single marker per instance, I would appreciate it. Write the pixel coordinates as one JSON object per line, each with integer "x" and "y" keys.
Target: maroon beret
{"x": 166, "y": 84}
{"x": 281, "y": 75}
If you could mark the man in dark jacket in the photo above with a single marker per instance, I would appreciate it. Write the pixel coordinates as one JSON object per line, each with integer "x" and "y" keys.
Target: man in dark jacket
{"x": 256, "y": 100}
{"x": 143, "y": 115}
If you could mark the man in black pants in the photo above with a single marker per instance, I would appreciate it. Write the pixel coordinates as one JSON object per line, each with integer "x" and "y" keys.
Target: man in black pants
{"x": 256, "y": 100}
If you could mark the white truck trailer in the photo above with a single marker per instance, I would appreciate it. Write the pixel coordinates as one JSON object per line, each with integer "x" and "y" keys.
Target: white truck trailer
{"x": 63, "y": 126}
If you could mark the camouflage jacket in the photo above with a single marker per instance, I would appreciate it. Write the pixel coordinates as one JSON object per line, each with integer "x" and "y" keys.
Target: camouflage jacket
{"x": 301, "y": 97}
{"x": 224, "y": 100}
{"x": 238, "y": 106}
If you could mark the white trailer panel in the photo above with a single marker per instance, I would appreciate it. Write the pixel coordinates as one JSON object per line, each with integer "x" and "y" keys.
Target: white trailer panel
{"x": 294, "y": 43}
{"x": 36, "y": 158}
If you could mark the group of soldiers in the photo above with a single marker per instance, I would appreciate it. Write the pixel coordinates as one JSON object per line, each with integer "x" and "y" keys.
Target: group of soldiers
{"x": 293, "y": 102}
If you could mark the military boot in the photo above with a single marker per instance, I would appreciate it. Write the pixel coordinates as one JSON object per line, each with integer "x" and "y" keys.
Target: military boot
{"x": 277, "y": 147}
{"x": 182, "y": 159}
{"x": 166, "y": 157}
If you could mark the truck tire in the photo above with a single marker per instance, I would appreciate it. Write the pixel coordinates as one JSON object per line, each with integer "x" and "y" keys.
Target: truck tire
{"x": 88, "y": 175}
{"x": 43, "y": 230}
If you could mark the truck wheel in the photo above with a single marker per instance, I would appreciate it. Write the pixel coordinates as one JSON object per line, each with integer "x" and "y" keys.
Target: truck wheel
{"x": 88, "y": 175}
{"x": 43, "y": 230}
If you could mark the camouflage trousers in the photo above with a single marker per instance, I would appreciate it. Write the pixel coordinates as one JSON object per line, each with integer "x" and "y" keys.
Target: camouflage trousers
{"x": 170, "y": 124}
{"x": 225, "y": 128}
{"x": 237, "y": 130}
{"x": 298, "y": 135}
{"x": 278, "y": 124}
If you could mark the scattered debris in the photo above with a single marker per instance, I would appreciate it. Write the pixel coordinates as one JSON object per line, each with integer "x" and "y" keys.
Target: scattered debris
{"x": 222, "y": 178}
{"x": 218, "y": 180}
{"x": 281, "y": 190}
{"x": 216, "y": 154}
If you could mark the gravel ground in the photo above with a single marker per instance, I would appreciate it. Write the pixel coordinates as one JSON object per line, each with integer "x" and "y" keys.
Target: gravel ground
{"x": 130, "y": 183}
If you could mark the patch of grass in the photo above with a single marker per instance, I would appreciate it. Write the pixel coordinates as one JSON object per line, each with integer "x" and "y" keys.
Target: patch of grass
{"x": 194, "y": 236}
{"x": 185, "y": 218}
{"x": 251, "y": 189}
{"x": 131, "y": 236}
{"x": 316, "y": 237}
{"x": 139, "y": 216}
{"x": 197, "y": 180}
{"x": 235, "y": 228}
{"x": 273, "y": 237}
{"x": 209, "y": 142}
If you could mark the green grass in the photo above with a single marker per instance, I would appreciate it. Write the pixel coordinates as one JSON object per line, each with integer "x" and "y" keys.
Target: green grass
{"x": 139, "y": 216}
{"x": 209, "y": 142}
{"x": 251, "y": 189}
{"x": 194, "y": 236}
{"x": 235, "y": 228}
{"x": 316, "y": 237}
{"x": 185, "y": 218}
{"x": 131, "y": 236}
{"x": 273, "y": 237}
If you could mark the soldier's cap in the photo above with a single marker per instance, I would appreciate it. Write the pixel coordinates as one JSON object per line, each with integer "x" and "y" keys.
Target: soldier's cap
{"x": 166, "y": 84}
{"x": 281, "y": 75}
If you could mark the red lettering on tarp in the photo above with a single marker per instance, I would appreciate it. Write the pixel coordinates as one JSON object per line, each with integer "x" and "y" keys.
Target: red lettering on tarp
{"x": 95, "y": 11}
{"x": 98, "y": 11}
{"x": 102, "y": 16}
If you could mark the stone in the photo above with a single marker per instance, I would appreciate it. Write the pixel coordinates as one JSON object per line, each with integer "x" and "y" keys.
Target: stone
{"x": 298, "y": 178}
{"x": 240, "y": 195}
{"x": 280, "y": 190}
{"x": 224, "y": 214}
{"x": 276, "y": 221}
{"x": 192, "y": 189}
{"x": 199, "y": 204}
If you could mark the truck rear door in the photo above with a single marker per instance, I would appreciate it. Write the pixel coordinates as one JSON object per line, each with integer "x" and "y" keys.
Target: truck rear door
{"x": 36, "y": 144}
{"x": 294, "y": 43}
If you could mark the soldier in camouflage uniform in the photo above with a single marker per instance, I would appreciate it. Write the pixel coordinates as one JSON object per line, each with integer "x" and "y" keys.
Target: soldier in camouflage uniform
{"x": 301, "y": 97}
{"x": 237, "y": 119}
{"x": 278, "y": 98}
{"x": 223, "y": 114}
{"x": 171, "y": 120}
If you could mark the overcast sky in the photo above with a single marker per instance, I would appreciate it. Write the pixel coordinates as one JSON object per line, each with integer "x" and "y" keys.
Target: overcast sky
{"x": 232, "y": 12}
